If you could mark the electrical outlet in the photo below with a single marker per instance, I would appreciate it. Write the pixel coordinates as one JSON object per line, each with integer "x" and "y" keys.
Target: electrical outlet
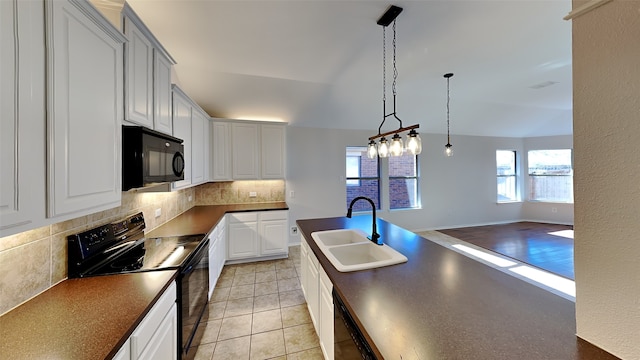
{"x": 292, "y": 194}
{"x": 294, "y": 230}
{"x": 253, "y": 194}
{"x": 158, "y": 212}
{"x": 190, "y": 198}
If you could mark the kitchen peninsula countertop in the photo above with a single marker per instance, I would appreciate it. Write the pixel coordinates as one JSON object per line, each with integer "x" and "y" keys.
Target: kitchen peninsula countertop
{"x": 88, "y": 318}
{"x": 444, "y": 305}
{"x": 201, "y": 219}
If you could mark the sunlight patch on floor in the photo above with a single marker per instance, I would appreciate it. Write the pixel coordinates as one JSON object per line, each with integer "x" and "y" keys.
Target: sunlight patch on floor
{"x": 558, "y": 285}
{"x": 563, "y": 233}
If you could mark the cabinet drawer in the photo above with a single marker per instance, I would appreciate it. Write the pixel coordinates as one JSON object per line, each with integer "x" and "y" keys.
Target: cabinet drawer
{"x": 243, "y": 217}
{"x": 144, "y": 332}
{"x": 274, "y": 215}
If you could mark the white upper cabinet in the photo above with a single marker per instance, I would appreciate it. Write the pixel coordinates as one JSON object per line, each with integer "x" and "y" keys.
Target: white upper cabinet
{"x": 199, "y": 130}
{"x": 182, "y": 130}
{"x": 191, "y": 124}
{"x": 84, "y": 109}
{"x": 257, "y": 151}
{"x": 273, "y": 151}
{"x": 138, "y": 100}
{"x": 221, "y": 151}
{"x": 147, "y": 76}
{"x": 22, "y": 128}
{"x": 245, "y": 144}
{"x": 162, "y": 93}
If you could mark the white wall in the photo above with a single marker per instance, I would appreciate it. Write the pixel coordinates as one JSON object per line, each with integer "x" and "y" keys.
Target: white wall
{"x": 606, "y": 123}
{"x": 560, "y": 213}
{"x": 456, "y": 191}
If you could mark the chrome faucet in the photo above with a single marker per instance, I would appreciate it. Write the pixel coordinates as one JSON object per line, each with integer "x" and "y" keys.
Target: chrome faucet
{"x": 375, "y": 237}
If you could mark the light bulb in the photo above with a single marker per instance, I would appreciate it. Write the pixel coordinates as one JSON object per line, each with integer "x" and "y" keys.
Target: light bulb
{"x": 372, "y": 152}
{"x": 383, "y": 148}
{"x": 397, "y": 146}
{"x": 448, "y": 149}
{"x": 414, "y": 143}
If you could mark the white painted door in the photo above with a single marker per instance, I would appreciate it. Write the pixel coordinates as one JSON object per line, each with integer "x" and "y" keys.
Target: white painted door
{"x": 245, "y": 144}
{"x": 198, "y": 132}
{"x": 273, "y": 232}
{"x": 326, "y": 315}
{"x": 242, "y": 238}
{"x": 273, "y": 151}
{"x": 85, "y": 111}
{"x": 22, "y": 128}
{"x": 162, "y": 93}
{"x": 221, "y": 151}
{"x": 163, "y": 344}
{"x": 182, "y": 130}
{"x": 138, "y": 76}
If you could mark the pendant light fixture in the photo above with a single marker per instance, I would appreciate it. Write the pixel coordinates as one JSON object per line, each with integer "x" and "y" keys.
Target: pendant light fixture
{"x": 448, "y": 151}
{"x": 396, "y": 147}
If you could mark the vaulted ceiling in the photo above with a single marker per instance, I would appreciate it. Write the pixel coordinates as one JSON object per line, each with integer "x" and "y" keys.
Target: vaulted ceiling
{"x": 318, "y": 63}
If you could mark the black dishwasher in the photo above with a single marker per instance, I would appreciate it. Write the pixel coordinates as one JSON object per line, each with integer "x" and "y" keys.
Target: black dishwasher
{"x": 349, "y": 343}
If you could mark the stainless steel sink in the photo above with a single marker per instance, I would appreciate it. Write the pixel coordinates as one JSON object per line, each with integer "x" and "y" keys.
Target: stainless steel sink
{"x": 350, "y": 250}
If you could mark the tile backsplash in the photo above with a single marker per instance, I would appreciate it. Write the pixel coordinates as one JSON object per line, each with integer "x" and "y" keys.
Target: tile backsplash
{"x": 35, "y": 260}
{"x": 238, "y": 192}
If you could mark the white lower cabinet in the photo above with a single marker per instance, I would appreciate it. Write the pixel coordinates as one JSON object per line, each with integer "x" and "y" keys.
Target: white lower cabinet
{"x": 217, "y": 254}
{"x": 326, "y": 315}
{"x": 317, "y": 289}
{"x": 157, "y": 335}
{"x": 243, "y": 235}
{"x": 257, "y": 234}
{"x": 124, "y": 353}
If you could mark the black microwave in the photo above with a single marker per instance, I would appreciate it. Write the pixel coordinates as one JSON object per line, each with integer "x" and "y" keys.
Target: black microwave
{"x": 150, "y": 157}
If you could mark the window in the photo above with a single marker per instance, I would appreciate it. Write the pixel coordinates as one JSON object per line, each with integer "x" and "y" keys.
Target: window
{"x": 363, "y": 178}
{"x": 550, "y": 175}
{"x": 403, "y": 182}
{"x": 507, "y": 175}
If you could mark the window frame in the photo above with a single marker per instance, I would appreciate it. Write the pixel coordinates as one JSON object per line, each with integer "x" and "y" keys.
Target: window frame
{"x": 531, "y": 176}
{"x": 416, "y": 178}
{"x": 516, "y": 181}
{"x": 360, "y": 178}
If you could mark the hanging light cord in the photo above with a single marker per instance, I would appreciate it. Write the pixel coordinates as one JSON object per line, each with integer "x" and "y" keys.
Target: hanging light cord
{"x": 384, "y": 76}
{"x": 448, "y": 98}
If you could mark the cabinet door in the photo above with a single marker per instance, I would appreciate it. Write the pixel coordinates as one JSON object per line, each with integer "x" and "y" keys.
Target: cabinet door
{"x": 304, "y": 267}
{"x": 198, "y": 121}
{"x": 243, "y": 239}
{"x": 245, "y": 151}
{"x": 182, "y": 130}
{"x": 213, "y": 250}
{"x": 84, "y": 101}
{"x": 220, "y": 151}
{"x": 124, "y": 353}
{"x": 221, "y": 254}
{"x": 326, "y": 315}
{"x": 273, "y": 237}
{"x": 164, "y": 343}
{"x": 273, "y": 151}
{"x": 313, "y": 290}
{"x": 22, "y": 128}
{"x": 162, "y": 94}
{"x": 138, "y": 69}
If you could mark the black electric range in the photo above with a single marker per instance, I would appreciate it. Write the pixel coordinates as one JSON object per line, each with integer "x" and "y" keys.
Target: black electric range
{"x": 121, "y": 247}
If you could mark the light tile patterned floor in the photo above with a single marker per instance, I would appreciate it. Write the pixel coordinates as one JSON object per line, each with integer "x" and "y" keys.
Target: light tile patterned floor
{"x": 257, "y": 311}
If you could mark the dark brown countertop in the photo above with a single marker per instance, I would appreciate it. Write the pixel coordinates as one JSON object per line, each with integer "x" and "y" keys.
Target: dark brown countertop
{"x": 201, "y": 219}
{"x": 443, "y": 305}
{"x": 78, "y": 319}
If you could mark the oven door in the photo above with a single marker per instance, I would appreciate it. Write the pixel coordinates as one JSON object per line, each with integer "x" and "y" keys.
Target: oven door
{"x": 194, "y": 287}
